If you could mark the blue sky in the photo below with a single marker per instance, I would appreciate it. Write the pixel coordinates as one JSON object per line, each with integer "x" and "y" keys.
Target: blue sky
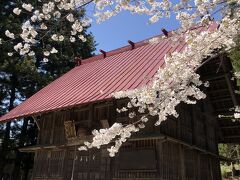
{"x": 115, "y": 33}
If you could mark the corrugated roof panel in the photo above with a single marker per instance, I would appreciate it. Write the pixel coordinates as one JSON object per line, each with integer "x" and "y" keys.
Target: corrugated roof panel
{"x": 97, "y": 78}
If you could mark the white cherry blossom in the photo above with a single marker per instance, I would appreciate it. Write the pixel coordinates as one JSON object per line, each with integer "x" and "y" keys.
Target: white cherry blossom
{"x": 45, "y": 60}
{"x": 10, "y": 54}
{"x": 54, "y": 51}
{"x": 27, "y": 7}
{"x": 9, "y": 34}
{"x": 46, "y": 53}
{"x": 17, "y": 11}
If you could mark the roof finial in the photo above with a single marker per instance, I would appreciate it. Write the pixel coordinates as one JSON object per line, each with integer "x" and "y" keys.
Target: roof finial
{"x": 132, "y": 44}
{"x": 165, "y": 32}
{"x": 78, "y": 61}
{"x": 104, "y": 53}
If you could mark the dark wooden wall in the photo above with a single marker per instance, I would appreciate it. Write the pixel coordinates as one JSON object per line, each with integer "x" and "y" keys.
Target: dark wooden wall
{"x": 178, "y": 149}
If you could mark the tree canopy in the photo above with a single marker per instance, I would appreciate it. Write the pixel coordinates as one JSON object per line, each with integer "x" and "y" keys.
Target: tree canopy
{"x": 21, "y": 76}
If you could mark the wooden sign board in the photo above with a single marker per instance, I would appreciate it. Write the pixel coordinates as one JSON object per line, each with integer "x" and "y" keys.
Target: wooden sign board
{"x": 104, "y": 123}
{"x": 70, "y": 130}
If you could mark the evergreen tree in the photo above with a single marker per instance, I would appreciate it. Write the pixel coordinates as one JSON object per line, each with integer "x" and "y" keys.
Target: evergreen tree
{"x": 22, "y": 76}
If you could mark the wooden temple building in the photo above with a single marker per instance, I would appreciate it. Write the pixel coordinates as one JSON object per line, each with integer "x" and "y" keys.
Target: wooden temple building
{"x": 68, "y": 109}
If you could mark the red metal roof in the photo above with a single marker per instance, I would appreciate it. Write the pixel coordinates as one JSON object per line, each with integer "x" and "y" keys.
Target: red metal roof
{"x": 97, "y": 78}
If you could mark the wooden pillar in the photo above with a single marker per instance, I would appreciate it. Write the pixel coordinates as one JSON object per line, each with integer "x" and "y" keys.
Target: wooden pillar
{"x": 211, "y": 168}
{"x": 113, "y": 112}
{"x": 160, "y": 158}
{"x": 198, "y": 172}
{"x": 53, "y": 127}
{"x": 90, "y": 116}
{"x": 35, "y": 163}
{"x": 206, "y": 132}
{"x": 157, "y": 153}
{"x": 193, "y": 121}
{"x": 182, "y": 164}
{"x": 179, "y": 127}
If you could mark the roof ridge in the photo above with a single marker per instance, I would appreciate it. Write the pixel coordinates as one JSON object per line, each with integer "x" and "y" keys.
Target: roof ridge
{"x": 122, "y": 49}
{"x": 129, "y": 47}
{"x": 115, "y": 52}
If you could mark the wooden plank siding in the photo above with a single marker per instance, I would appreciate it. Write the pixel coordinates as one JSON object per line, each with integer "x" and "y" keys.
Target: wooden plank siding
{"x": 140, "y": 158}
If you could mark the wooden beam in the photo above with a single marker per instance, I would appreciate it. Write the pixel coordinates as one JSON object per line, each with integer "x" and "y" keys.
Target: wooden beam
{"x": 217, "y": 91}
{"x": 229, "y": 83}
{"x": 230, "y": 139}
{"x": 177, "y": 141}
{"x": 222, "y": 99}
{"x": 214, "y": 76}
{"x": 157, "y": 136}
{"x": 76, "y": 142}
{"x": 231, "y": 136}
{"x": 229, "y": 127}
{"x": 36, "y": 121}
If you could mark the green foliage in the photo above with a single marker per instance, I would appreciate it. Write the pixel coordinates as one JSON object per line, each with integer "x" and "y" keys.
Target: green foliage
{"x": 231, "y": 151}
{"x": 225, "y": 169}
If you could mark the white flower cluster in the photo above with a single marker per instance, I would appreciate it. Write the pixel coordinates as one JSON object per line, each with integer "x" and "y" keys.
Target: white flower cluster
{"x": 49, "y": 11}
{"x": 23, "y": 49}
{"x": 236, "y": 114}
{"x": 28, "y": 33}
{"x": 176, "y": 82}
{"x": 117, "y": 133}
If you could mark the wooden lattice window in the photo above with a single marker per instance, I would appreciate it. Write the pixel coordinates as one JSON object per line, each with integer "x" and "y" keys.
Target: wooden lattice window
{"x": 56, "y": 163}
{"x": 86, "y": 165}
{"x": 41, "y": 164}
{"x": 127, "y": 163}
{"x": 168, "y": 160}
